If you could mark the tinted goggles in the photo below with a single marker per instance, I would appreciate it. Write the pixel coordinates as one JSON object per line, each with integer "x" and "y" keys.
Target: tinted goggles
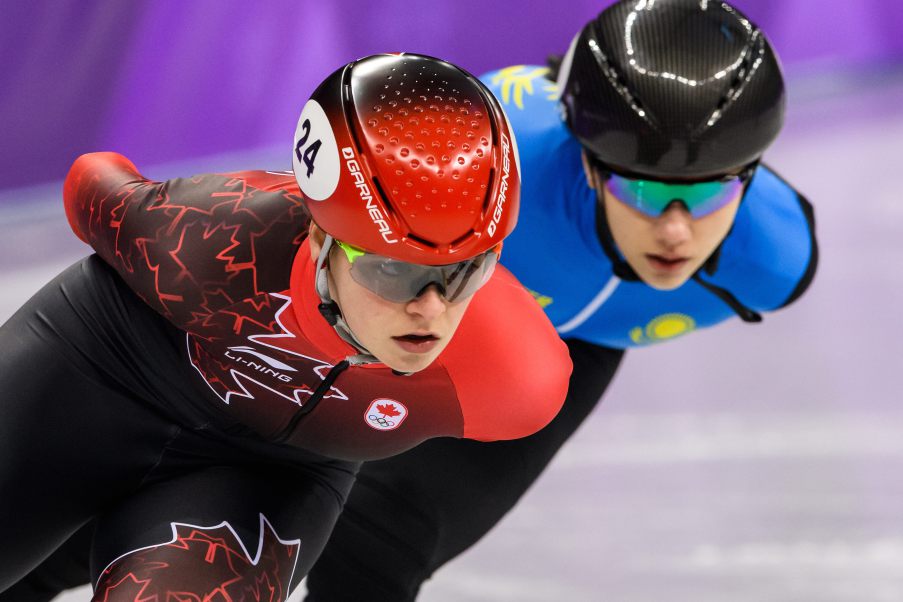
{"x": 653, "y": 197}
{"x": 400, "y": 282}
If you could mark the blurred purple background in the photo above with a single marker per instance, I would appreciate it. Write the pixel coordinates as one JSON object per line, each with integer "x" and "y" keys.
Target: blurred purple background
{"x": 168, "y": 80}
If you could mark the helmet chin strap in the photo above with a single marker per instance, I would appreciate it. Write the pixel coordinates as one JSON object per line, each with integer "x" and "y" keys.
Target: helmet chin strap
{"x": 333, "y": 313}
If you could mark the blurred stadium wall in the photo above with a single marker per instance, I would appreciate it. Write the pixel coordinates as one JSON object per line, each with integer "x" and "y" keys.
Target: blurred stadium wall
{"x": 168, "y": 80}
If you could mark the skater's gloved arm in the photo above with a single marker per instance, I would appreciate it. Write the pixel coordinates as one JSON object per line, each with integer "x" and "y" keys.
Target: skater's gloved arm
{"x": 187, "y": 246}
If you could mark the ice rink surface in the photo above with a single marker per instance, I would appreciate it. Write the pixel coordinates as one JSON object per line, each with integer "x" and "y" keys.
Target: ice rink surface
{"x": 746, "y": 463}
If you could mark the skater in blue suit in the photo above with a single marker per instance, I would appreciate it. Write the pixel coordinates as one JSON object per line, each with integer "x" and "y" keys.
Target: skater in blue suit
{"x": 646, "y": 214}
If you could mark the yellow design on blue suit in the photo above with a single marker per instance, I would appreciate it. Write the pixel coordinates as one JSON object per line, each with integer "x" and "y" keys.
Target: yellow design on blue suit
{"x": 662, "y": 328}
{"x": 766, "y": 261}
{"x": 543, "y": 300}
{"x": 515, "y": 81}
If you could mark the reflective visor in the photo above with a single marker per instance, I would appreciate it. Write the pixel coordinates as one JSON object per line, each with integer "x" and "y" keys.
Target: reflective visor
{"x": 400, "y": 282}
{"x": 653, "y": 197}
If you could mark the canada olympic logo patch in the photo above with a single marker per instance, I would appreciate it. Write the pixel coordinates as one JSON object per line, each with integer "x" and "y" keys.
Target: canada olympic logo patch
{"x": 385, "y": 414}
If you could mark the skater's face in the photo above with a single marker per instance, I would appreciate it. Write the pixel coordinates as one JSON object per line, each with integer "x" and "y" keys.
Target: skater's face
{"x": 406, "y": 336}
{"x": 665, "y": 250}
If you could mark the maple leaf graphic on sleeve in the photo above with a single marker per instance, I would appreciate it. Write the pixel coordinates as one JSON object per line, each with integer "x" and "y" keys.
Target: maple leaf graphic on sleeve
{"x": 388, "y": 409}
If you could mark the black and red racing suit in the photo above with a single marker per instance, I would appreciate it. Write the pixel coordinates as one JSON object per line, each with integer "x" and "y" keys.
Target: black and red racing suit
{"x": 180, "y": 391}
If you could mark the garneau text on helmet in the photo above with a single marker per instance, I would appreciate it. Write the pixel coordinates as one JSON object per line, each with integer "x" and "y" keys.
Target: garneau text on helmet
{"x": 503, "y": 187}
{"x": 376, "y": 214}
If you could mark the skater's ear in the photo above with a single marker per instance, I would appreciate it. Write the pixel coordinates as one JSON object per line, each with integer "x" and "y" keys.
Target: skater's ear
{"x": 316, "y": 236}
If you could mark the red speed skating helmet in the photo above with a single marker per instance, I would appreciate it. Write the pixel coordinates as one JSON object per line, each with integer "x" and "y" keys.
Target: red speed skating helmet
{"x": 409, "y": 157}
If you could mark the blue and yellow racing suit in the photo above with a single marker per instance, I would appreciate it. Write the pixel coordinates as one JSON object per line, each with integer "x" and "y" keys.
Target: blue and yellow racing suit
{"x": 418, "y": 510}
{"x": 766, "y": 261}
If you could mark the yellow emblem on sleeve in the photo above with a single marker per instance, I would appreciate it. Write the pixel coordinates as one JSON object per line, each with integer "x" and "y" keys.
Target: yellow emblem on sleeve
{"x": 662, "y": 328}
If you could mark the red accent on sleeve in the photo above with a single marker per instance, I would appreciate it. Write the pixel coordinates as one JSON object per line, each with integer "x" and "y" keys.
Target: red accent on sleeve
{"x": 507, "y": 362}
{"x": 82, "y": 179}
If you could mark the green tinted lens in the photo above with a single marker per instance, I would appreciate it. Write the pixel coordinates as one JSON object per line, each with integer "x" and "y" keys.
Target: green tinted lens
{"x": 652, "y": 197}
{"x": 400, "y": 282}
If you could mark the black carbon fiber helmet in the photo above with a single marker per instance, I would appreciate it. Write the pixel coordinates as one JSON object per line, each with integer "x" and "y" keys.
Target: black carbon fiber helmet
{"x": 687, "y": 89}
